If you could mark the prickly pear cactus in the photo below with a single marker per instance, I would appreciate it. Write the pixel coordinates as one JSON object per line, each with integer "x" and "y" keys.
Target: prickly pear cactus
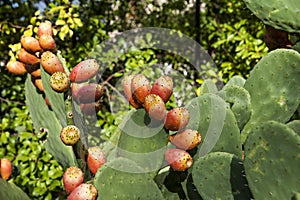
{"x": 11, "y": 191}
{"x": 280, "y": 14}
{"x": 272, "y": 160}
{"x": 273, "y": 88}
{"x": 113, "y": 181}
{"x": 223, "y": 171}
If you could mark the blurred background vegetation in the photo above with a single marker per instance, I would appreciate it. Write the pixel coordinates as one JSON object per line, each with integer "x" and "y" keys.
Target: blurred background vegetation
{"x": 227, "y": 30}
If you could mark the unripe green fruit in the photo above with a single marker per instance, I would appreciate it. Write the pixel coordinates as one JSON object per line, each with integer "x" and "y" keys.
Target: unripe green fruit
{"x": 70, "y": 135}
{"x": 59, "y": 82}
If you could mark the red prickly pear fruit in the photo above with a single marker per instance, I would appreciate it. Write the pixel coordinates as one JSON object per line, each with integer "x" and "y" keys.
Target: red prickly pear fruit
{"x": 51, "y": 63}
{"x": 84, "y": 70}
{"x": 72, "y": 178}
{"x": 178, "y": 159}
{"x": 5, "y": 168}
{"x": 34, "y": 70}
{"x": 30, "y": 44}
{"x": 96, "y": 158}
{"x": 128, "y": 93}
{"x": 90, "y": 108}
{"x": 37, "y": 83}
{"x": 155, "y": 107}
{"x": 85, "y": 191}
{"x": 27, "y": 58}
{"x": 47, "y": 42}
{"x": 45, "y": 28}
{"x": 163, "y": 87}
{"x": 47, "y": 101}
{"x": 177, "y": 119}
{"x": 16, "y": 67}
{"x": 59, "y": 82}
{"x": 75, "y": 88}
{"x": 89, "y": 93}
{"x": 186, "y": 139}
{"x": 140, "y": 87}
{"x": 70, "y": 135}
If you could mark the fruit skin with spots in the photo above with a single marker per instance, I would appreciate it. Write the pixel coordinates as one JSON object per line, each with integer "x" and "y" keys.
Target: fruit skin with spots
{"x": 89, "y": 93}
{"x": 177, "y": 119}
{"x": 45, "y": 28}
{"x": 30, "y": 44}
{"x": 16, "y": 67}
{"x": 163, "y": 87}
{"x": 155, "y": 107}
{"x": 59, "y": 82}
{"x": 5, "y": 168}
{"x": 95, "y": 159}
{"x": 140, "y": 87}
{"x": 84, "y": 71}
{"x": 85, "y": 191}
{"x": 72, "y": 178}
{"x": 47, "y": 42}
{"x": 186, "y": 139}
{"x": 126, "y": 84}
{"x": 51, "y": 63}
{"x": 70, "y": 135}
{"x": 178, "y": 159}
{"x": 27, "y": 58}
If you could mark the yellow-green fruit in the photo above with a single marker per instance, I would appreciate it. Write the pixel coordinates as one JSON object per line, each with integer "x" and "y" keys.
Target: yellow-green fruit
{"x": 59, "y": 82}
{"x": 70, "y": 135}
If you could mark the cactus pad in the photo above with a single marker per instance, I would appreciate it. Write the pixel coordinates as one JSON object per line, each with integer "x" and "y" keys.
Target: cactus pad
{"x": 280, "y": 14}
{"x": 9, "y": 191}
{"x": 274, "y": 88}
{"x": 113, "y": 181}
{"x": 295, "y": 125}
{"x": 219, "y": 175}
{"x": 208, "y": 86}
{"x": 272, "y": 160}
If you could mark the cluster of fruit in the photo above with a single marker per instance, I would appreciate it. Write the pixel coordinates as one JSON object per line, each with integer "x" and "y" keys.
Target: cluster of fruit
{"x": 73, "y": 178}
{"x": 5, "y": 168}
{"x": 140, "y": 94}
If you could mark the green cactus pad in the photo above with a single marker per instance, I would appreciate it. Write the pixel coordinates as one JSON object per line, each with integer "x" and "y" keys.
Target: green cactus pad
{"x": 296, "y": 196}
{"x": 211, "y": 116}
{"x": 235, "y": 80}
{"x": 274, "y": 88}
{"x": 239, "y": 99}
{"x": 10, "y": 191}
{"x": 113, "y": 181}
{"x": 208, "y": 86}
{"x": 42, "y": 117}
{"x": 295, "y": 125}
{"x": 142, "y": 141}
{"x": 219, "y": 175}
{"x": 280, "y": 14}
{"x": 272, "y": 160}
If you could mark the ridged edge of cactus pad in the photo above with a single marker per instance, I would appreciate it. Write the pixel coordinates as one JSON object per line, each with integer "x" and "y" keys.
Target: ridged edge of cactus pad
{"x": 280, "y": 14}
{"x": 272, "y": 160}
{"x": 10, "y": 191}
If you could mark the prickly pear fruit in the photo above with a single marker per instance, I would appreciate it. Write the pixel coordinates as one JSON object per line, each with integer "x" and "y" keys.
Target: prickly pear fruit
{"x": 16, "y": 67}
{"x": 72, "y": 178}
{"x": 140, "y": 87}
{"x": 178, "y": 159}
{"x": 37, "y": 83}
{"x": 30, "y": 44}
{"x": 84, "y": 191}
{"x": 51, "y": 63}
{"x": 90, "y": 108}
{"x": 84, "y": 70}
{"x": 186, "y": 139}
{"x": 155, "y": 107}
{"x": 47, "y": 42}
{"x": 45, "y": 28}
{"x": 59, "y": 82}
{"x": 70, "y": 135}
{"x": 96, "y": 158}
{"x": 128, "y": 93}
{"x": 27, "y": 58}
{"x": 34, "y": 70}
{"x": 177, "y": 119}
{"x": 163, "y": 87}
{"x": 5, "y": 168}
{"x": 89, "y": 93}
